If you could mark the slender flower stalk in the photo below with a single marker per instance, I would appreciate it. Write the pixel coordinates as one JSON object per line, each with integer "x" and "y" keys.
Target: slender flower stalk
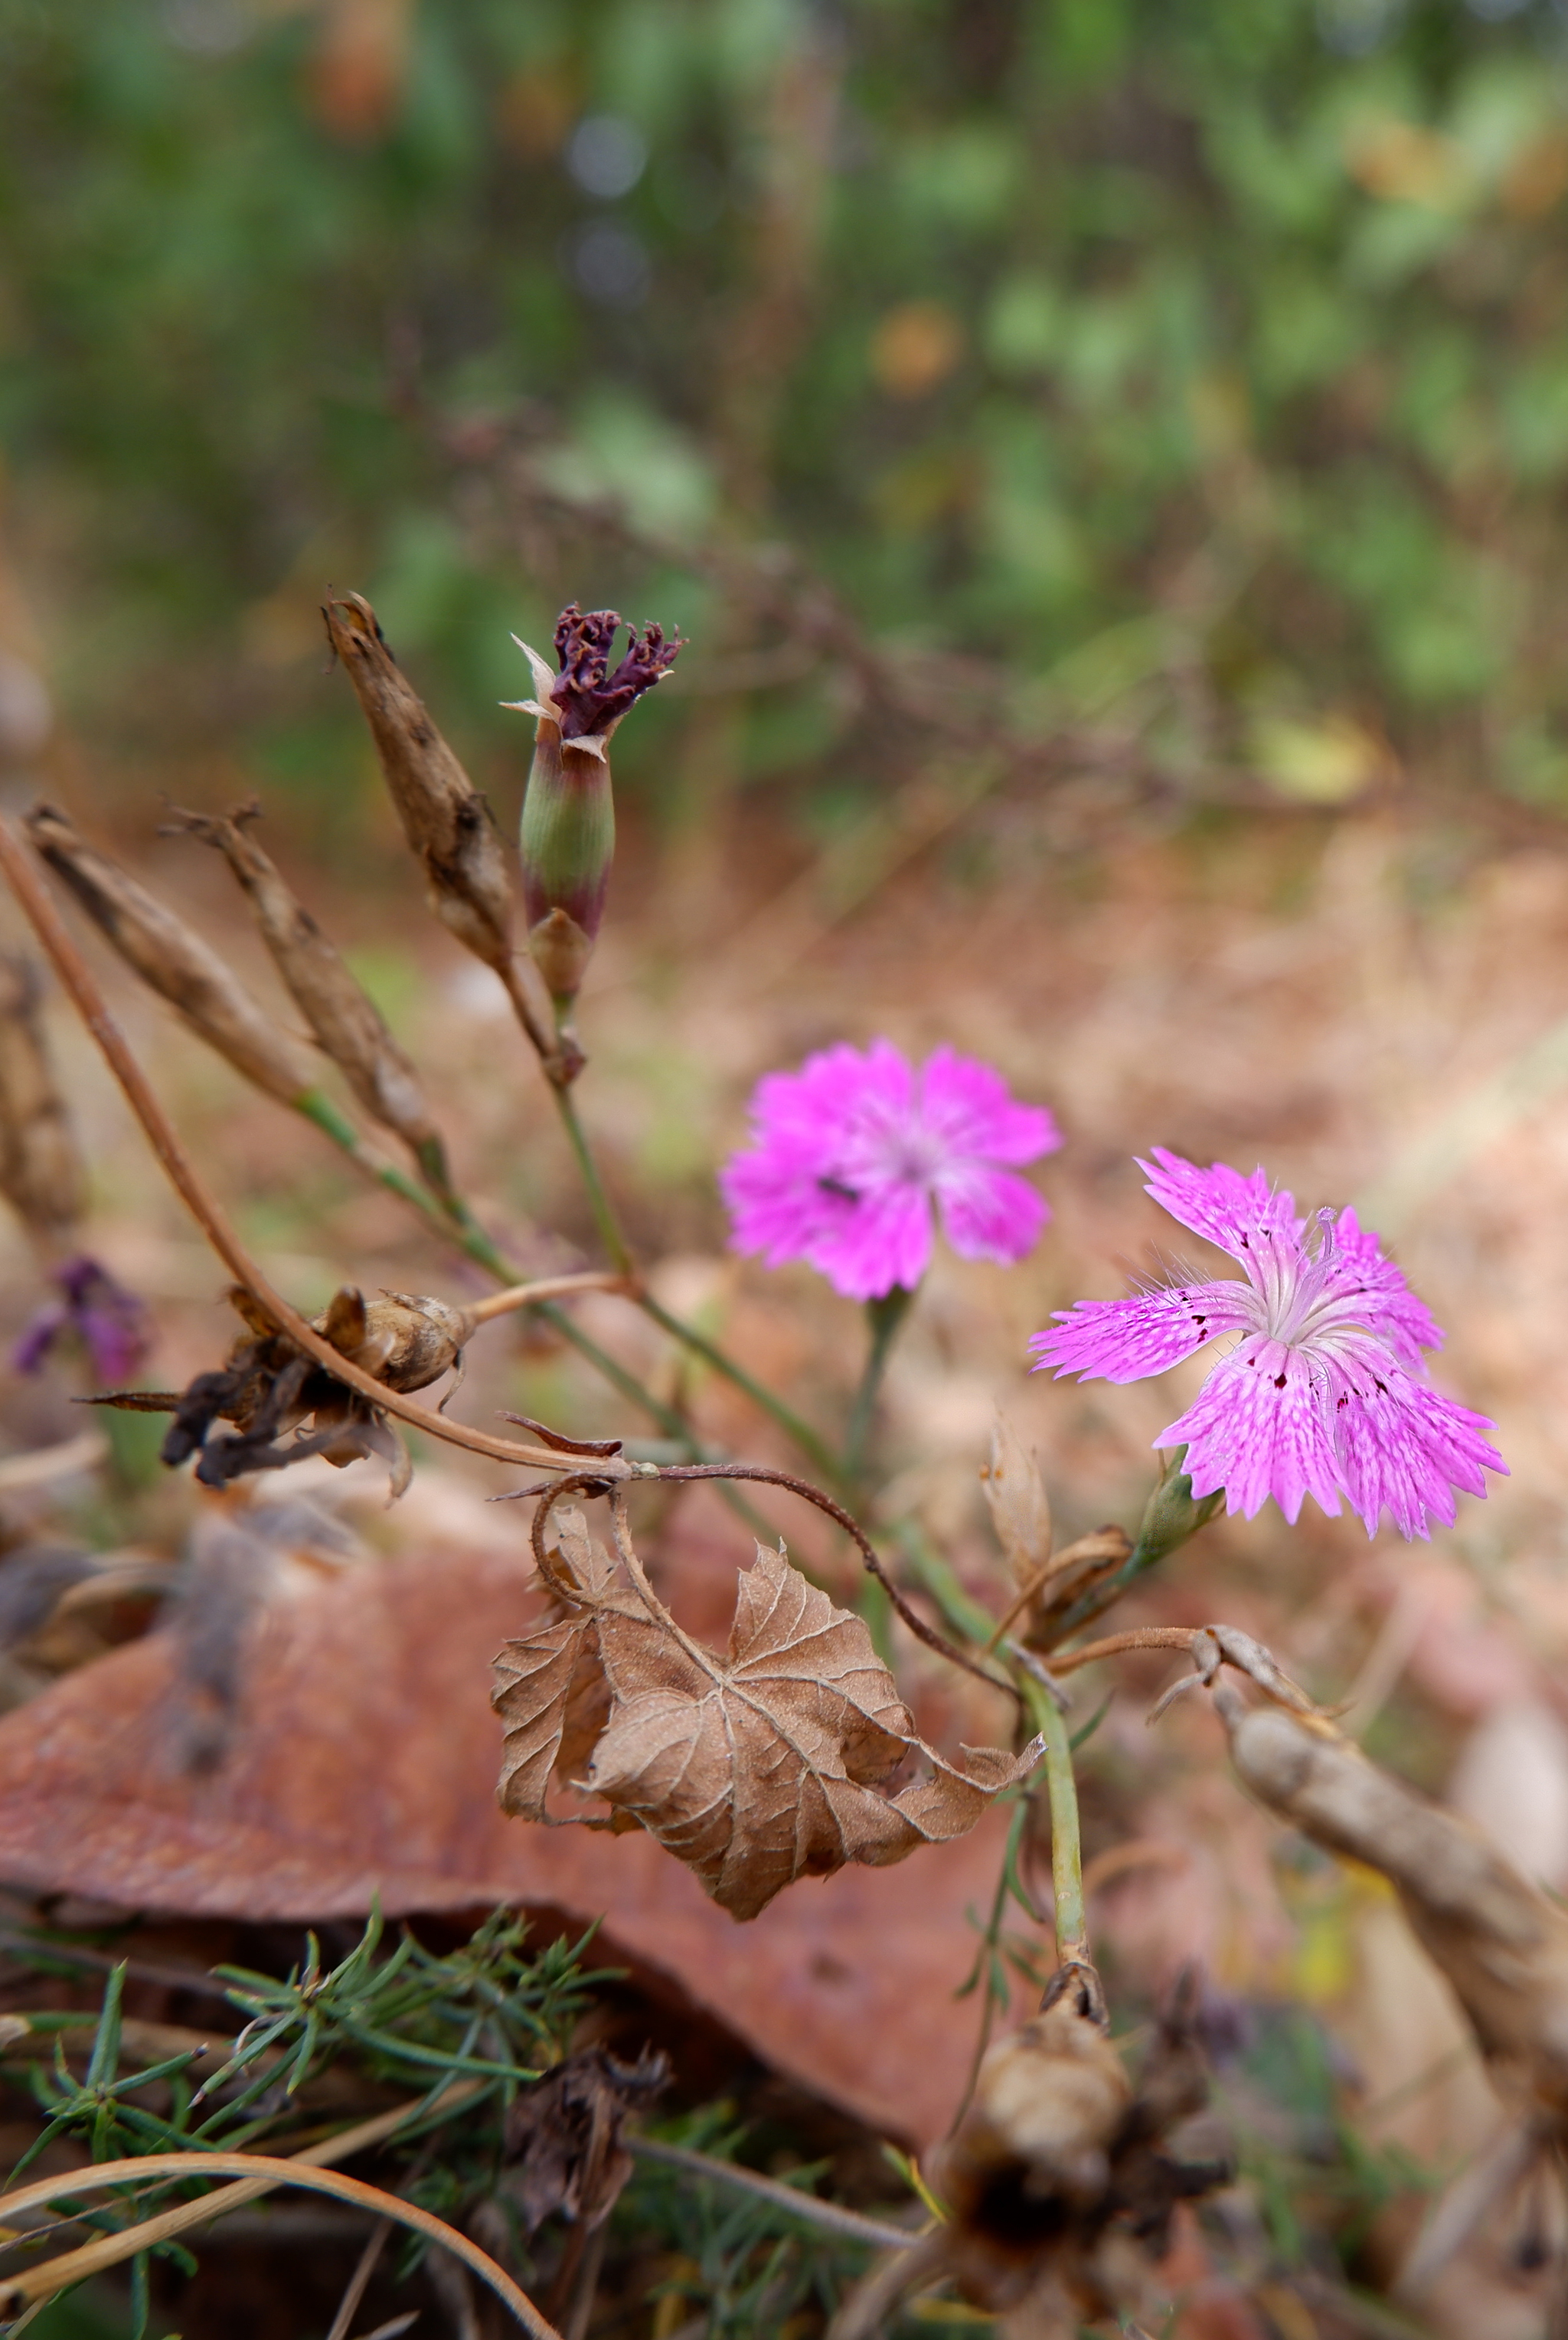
{"x": 1066, "y": 1839}
{"x": 885, "y": 1318}
{"x": 1324, "y": 1389}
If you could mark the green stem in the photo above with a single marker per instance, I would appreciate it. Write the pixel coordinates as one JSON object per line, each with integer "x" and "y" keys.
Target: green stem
{"x": 446, "y": 1212}
{"x": 1170, "y": 1516}
{"x": 458, "y": 1224}
{"x": 885, "y": 1317}
{"x": 936, "y": 1576}
{"x": 1066, "y": 1849}
{"x": 815, "y": 1447}
{"x": 986, "y": 1965}
{"x": 610, "y": 1234}
{"x": 618, "y": 1251}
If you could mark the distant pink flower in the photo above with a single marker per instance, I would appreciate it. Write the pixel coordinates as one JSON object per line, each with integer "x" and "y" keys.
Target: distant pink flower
{"x": 1325, "y": 1392}
{"x": 850, "y": 1155}
{"x": 110, "y": 1321}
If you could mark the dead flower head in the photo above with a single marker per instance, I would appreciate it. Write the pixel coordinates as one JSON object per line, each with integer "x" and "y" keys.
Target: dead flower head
{"x": 563, "y": 2135}
{"x": 1062, "y": 2176}
{"x": 268, "y": 1389}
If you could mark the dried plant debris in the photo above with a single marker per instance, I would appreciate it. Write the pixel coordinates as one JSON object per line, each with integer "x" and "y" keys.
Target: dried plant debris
{"x": 447, "y": 822}
{"x": 1500, "y": 1942}
{"x": 41, "y": 1172}
{"x": 1061, "y": 2180}
{"x": 173, "y": 960}
{"x": 268, "y": 1389}
{"x": 1020, "y": 1508}
{"x": 770, "y": 1763}
{"x": 563, "y": 2135}
{"x": 347, "y": 1026}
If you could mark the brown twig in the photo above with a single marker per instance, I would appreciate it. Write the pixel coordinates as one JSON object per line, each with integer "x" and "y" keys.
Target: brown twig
{"x": 1120, "y": 1645}
{"x": 851, "y": 1527}
{"x": 43, "y": 2282}
{"x": 546, "y": 1287}
{"x": 596, "y": 1483}
{"x": 358, "y": 2282}
{"x": 80, "y": 984}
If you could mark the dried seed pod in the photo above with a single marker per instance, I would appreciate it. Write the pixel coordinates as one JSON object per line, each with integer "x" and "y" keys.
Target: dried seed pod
{"x": 1076, "y": 1569}
{"x": 173, "y": 960}
{"x": 345, "y": 1022}
{"x": 447, "y": 822}
{"x": 1016, "y": 1497}
{"x": 406, "y": 1340}
{"x": 1048, "y": 2103}
{"x": 1500, "y": 1942}
{"x": 41, "y": 1172}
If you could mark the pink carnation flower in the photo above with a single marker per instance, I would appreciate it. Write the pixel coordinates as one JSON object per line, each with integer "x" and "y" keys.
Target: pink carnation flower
{"x": 850, "y": 1155}
{"x": 1324, "y": 1393}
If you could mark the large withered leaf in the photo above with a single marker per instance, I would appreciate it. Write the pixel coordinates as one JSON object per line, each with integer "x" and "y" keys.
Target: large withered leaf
{"x": 754, "y": 1768}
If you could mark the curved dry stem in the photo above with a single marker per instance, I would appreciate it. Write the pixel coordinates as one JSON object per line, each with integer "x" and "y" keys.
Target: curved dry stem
{"x": 80, "y": 984}
{"x": 546, "y": 1287}
{"x": 851, "y": 1527}
{"x": 43, "y": 2282}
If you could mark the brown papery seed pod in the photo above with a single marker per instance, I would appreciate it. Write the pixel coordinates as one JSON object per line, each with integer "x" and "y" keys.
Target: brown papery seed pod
{"x": 344, "y": 1021}
{"x": 41, "y": 1172}
{"x": 407, "y": 1341}
{"x": 173, "y": 960}
{"x": 446, "y": 820}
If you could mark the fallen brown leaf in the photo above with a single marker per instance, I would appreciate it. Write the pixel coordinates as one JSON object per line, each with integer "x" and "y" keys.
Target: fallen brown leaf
{"x": 755, "y": 1769}
{"x": 362, "y": 1765}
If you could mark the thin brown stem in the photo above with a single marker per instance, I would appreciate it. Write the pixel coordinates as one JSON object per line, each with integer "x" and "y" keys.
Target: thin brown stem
{"x": 82, "y": 985}
{"x": 547, "y": 1287}
{"x": 851, "y": 1527}
{"x": 1119, "y": 1645}
{"x": 43, "y": 2282}
{"x": 349, "y": 2305}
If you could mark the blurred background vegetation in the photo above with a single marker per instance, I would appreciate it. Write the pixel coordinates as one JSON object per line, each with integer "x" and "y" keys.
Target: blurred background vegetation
{"x": 1189, "y": 374}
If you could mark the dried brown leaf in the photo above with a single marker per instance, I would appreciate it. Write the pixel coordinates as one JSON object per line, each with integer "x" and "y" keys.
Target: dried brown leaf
{"x": 564, "y": 2134}
{"x": 754, "y": 1768}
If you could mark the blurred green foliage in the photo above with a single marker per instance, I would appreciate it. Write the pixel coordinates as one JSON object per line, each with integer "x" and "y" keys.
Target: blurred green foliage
{"x": 1219, "y": 341}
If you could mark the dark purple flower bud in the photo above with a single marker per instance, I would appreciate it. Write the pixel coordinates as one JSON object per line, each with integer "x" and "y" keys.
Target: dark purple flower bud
{"x": 568, "y": 839}
{"x": 591, "y": 698}
{"x": 110, "y": 1321}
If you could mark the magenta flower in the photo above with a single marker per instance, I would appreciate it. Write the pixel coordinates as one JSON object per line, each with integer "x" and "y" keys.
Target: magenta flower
{"x": 1324, "y": 1393}
{"x": 850, "y": 1155}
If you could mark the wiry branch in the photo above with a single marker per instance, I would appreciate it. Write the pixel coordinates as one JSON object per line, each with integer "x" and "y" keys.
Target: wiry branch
{"x": 79, "y": 981}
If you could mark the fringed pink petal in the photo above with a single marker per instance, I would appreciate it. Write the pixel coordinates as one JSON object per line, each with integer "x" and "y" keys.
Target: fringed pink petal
{"x": 1218, "y": 1203}
{"x": 1259, "y": 1428}
{"x": 1147, "y": 1333}
{"x": 1404, "y": 1448}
